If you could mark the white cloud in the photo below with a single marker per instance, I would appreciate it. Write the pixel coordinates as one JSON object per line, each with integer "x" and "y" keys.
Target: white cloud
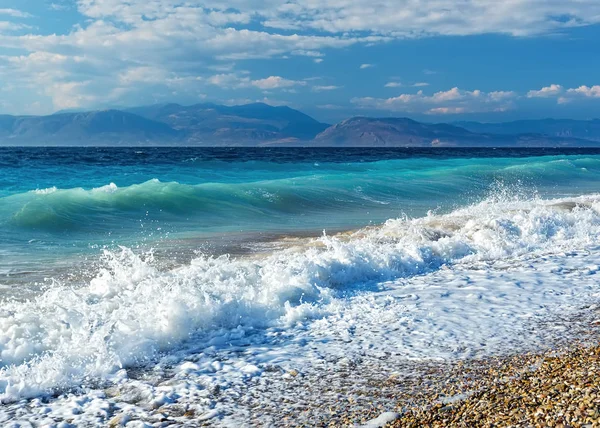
{"x": 265, "y": 100}
{"x": 276, "y": 82}
{"x": 546, "y": 92}
{"x": 15, "y": 13}
{"x": 59, "y": 6}
{"x": 322, "y": 88}
{"x": 452, "y": 101}
{"x": 318, "y": 60}
{"x": 236, "y": 81}
{"x": 314, "y": 54}
{"x": 6, "y": 26}
{"x": 179, "y": 41}
{"x": 421, "y": 18}
{"x": 393, "y": 85}
{"x": 229, "y": 81}
{"x": 586, "y": 91}
{"x": 365, "y": 66}
{"x": 142, "y": 75}
{"x": 330, "y": 107}
{"x": 565, "y": 96}
{"x": 447, "y": 110}
{"x": 117, "y": 39}
{"x": 458, "y": 101}
{"x": 420, "y": 85}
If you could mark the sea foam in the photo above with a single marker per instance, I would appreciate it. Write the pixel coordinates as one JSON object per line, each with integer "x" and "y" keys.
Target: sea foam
{"x": 132, "y": 312}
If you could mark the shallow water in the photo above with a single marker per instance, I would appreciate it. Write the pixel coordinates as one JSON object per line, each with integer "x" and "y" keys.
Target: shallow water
{"x": 166, "y": 273}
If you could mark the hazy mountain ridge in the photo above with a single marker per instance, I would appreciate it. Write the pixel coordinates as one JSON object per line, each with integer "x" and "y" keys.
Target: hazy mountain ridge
{"x": 585, "y": 129}
{"x": 234, "y": 124}
{"x": 263, "y": 125}
{"x": 403, "y": 132}
{"x": 108, "y": 127}
{"x": 167, "y": 124}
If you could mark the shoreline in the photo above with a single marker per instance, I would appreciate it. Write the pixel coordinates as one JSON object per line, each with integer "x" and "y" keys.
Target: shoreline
{"x": 556, "y": 388}
{"x": 491, "y": 391}
{"x": 350, "y": 359}
{"x": 462, "y": 392}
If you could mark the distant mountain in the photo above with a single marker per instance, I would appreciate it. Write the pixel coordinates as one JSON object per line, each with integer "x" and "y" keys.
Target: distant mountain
{"x": 585, "y": 129}
{"x": 403, "y": 132}
{"x": 224, "y": 125}
{"x": 263, "y": 125}
{"x": 109, "y": 127}
{"x": 366, "y": 131}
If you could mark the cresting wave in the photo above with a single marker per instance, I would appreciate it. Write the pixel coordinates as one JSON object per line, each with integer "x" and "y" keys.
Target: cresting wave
{"x": 131, "y": 311}
{"x": 394, "y": 183}
{"x": 58, "y": 209}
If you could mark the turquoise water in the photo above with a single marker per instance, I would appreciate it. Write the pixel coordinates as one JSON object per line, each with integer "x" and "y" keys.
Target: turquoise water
{"x": 167, "y": 274}
{"x": 56, "y": 203}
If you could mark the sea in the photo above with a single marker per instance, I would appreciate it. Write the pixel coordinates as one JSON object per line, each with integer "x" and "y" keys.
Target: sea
{"x": 143, "y": 285}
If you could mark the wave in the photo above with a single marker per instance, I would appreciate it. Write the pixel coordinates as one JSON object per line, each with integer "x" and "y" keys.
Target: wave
{"x": 131, "y": 310}
{"x": 397, "y": 185}
{"x": 57, "y": 209}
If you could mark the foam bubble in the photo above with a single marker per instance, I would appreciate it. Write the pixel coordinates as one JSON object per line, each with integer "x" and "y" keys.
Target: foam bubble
{"x": 131, "y": 310}
{"x": 45, "y": 191}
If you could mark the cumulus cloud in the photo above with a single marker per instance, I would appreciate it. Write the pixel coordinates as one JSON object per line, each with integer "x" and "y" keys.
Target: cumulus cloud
{"x": 229, "y": 81}
{"x": 393, "y": 85}
{"x": 546, "y": 92}
{"x": 237, "y": 81}
{"x": 177, "y": 42}
{"x": 452, "y": 101}
{"x": 276, "y": 82}
{"x": 586, "y": 91}
{"x": 458, "y": 101}
{"x": 365, "y": 66}
{"x": 119, "y": 39}
{"x": 563, "y": 95}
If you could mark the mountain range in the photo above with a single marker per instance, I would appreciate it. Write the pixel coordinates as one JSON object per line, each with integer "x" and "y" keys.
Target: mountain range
{"x": 264, "y": 125}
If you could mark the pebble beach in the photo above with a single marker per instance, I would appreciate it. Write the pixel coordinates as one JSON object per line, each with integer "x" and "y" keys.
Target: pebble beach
{"x": 556, "y": 388}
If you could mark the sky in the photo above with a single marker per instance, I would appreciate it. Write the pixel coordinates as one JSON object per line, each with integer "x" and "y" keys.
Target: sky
{"x": 432, "y": 60}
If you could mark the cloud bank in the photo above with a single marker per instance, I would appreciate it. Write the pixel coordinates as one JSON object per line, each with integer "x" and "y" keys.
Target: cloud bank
{"x": 453, "y": 101}
{"x": 153, "y": 50}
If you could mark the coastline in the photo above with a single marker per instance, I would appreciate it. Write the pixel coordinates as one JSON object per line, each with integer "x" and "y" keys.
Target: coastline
{"x": 288, "y": 327}
{"x": 555, "y": 388}
{"x": 558, "y": 386}
{"x": 562, "y": 390}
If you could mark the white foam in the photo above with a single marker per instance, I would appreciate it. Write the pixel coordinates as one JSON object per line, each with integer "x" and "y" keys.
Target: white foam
{"x": 381, "y": 420}
{"x": 458, "y": 285}
{"x": 46, "y": 191}
{"x": 109, "y": 188}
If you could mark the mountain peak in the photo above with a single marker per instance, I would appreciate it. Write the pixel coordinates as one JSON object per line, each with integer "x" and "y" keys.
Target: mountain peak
{"x": 258, "y": 123}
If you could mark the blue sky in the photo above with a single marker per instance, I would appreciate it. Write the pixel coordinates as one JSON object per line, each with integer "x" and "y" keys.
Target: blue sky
{"x": 433, "y": 60}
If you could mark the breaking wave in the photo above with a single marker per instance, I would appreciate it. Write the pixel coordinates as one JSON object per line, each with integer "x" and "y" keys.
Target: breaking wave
{"x": 132, "y": 310}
